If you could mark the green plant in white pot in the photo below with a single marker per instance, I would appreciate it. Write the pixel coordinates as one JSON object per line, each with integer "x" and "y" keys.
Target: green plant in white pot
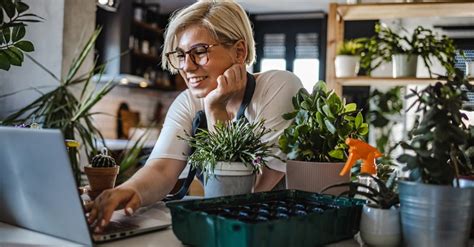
{"x": 315, "y": 141}
{"x": 230, "y": 156}
{"x": 347, "y": 58}
{"x": 380, "y": 219}
{"x": 435, "y": 210}
{"x": 404, "y": 50}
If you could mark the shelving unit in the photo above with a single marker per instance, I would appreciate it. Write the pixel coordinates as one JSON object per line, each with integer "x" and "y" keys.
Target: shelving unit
{"x": 131, "y": 43}
{"x": 339, "y": 13}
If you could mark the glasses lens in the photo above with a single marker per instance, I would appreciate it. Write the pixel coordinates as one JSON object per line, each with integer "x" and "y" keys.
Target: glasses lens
{"x": 199, "y": 54}
{"x": 176, "y": 59}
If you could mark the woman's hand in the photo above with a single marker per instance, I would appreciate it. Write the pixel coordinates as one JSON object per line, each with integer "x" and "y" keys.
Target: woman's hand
{"x": 108, "y": 201}
{"x": 230, "y": 85}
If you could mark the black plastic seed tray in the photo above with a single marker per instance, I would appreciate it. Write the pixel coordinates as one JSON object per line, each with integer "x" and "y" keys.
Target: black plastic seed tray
{"x": 279, "y": 218}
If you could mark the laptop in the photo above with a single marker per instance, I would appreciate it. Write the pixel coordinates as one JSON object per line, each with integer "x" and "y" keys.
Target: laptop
{"x": 38, "y": 191}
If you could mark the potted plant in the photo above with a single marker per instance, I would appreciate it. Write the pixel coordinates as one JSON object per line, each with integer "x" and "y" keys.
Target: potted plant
{"x": 347, "y": 58}
{"x": 66, "y": 108}
{"x": 315, "y": 141}
{"x": 405, "y": 50}
{"x": 380, "y": 219}
{"x": 435, "y": 210}
{"x": 229, "y": 156}
{"x": 101, "y": 173}
{"x": 14, "y": 17}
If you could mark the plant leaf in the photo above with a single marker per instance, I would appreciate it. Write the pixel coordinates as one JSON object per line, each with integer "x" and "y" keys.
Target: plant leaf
{"x": 18, "y": 33}
{"x": 4, "y": 61}
{"x": 25, "y": 45}
{"x": 21, "y": 7}
{"x": 330, "y": 126}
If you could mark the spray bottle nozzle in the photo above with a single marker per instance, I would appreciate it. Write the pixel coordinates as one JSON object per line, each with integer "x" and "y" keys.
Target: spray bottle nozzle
{"x": 361, "y": 150}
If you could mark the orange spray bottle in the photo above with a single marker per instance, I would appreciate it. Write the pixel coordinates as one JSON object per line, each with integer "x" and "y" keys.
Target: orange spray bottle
{"x": 360, "y": 150}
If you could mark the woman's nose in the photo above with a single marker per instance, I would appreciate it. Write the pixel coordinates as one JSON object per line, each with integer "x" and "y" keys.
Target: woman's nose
{"x": 188, "y": 63}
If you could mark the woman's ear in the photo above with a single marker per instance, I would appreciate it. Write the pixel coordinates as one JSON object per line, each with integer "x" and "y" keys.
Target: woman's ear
{"x": 240, "y": 51}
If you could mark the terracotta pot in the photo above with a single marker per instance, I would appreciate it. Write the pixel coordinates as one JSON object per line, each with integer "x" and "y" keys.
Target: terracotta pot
{"x": 314, "y": 176}
{"x": 101, "y": 178}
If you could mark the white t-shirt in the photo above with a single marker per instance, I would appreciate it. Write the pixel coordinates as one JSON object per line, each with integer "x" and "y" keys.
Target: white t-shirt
{"x": 271, "y": 99}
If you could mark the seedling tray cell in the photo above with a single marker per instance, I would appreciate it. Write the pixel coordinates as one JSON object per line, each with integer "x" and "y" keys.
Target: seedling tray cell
{"x": 278, "y": 218}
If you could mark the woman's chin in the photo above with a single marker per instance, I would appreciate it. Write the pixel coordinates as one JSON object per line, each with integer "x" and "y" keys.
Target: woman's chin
{"x": 199, "y": 93}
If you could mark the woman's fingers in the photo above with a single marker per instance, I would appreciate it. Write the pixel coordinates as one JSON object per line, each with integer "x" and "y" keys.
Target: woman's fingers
{"x": 132, "y": 205}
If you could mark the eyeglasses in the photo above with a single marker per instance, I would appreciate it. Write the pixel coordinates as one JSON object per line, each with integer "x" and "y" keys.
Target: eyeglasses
{"x": 198, "y": 54}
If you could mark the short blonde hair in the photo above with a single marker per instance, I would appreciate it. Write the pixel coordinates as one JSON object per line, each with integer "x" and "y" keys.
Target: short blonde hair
{"x": 227, "y": 22}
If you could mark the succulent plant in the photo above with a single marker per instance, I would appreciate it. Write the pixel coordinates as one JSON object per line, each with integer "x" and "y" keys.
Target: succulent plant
{"x": 103, "y": 160}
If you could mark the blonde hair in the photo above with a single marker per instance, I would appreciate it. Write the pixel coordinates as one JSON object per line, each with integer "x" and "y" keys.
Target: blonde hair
{"x": 226, "y": 21}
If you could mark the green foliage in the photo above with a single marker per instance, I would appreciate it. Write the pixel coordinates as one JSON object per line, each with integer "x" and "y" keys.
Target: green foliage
{"x": 238, "y": 141}
{"x": 383, "y": 197}
{"x": 385, "y": 109}
{"x": 322, "y": 123}
{"x": 60, "y": 109}
{"x": 422, "y": 42}
{"x": 441, "y": 143}
{"x": 131, "y": 157}
{"x": 13, "y": 19}
{"x": 350, "y": 47}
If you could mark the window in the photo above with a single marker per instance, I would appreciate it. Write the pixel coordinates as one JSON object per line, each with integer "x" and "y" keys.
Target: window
{"x": 292, "y": 44}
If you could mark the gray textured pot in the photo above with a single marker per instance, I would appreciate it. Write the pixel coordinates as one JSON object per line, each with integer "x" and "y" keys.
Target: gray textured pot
{"x": 435, "y": 215}
{"x": 231, "y": 178}
{"x": 314, "y": 176}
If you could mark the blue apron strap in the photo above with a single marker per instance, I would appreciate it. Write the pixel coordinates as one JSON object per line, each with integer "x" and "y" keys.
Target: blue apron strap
{"x": 200, "y": 122}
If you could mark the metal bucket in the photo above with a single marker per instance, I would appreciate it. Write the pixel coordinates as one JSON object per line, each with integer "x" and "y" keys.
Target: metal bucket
{"x": 434, "y": 215}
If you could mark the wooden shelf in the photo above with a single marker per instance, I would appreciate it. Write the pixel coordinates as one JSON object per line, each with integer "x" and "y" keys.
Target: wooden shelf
{"x": 351, "y": 12}
{"x": 339, "y": 13}
{"x": 386, "y": 81}
{"x": 148, "y": 27}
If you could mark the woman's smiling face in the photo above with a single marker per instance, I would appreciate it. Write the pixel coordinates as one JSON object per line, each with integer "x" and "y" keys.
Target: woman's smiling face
{"x": 202, "y": 79}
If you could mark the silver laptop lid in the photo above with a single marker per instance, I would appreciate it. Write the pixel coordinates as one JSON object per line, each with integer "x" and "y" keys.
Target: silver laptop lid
{"x": 37, "y": 186}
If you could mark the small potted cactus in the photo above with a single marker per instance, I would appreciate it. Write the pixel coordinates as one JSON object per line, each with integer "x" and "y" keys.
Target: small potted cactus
{"x": 101, "y": 173}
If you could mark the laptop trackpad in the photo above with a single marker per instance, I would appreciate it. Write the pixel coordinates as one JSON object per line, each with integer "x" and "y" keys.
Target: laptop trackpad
{"x": 145, "y": 219}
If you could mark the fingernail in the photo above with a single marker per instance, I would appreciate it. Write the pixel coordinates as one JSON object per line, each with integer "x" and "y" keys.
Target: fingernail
{"x": 129, "y": 211}
{"x": 102, "y": 223}
{"x": 97, "y": 229}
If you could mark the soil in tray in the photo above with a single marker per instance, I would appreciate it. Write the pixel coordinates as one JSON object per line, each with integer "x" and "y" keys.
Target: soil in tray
{"x": 256, "y": 212}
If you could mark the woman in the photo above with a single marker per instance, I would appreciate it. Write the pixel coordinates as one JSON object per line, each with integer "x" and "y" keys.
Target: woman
{"x": 209, "y": 43}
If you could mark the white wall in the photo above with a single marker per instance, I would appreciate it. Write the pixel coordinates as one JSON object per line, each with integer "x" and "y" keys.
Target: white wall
{"x": 67, "y": 25}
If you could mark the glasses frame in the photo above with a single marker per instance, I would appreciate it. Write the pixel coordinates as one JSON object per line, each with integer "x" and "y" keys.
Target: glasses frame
{"x": 193, "y": 59}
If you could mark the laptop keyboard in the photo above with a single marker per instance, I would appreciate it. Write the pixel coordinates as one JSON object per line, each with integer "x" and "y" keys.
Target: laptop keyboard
{"x": 115, "y": 226}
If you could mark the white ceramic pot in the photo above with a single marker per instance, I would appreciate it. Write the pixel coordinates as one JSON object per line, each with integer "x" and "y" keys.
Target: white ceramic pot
{"x": 346, "y": 66}
{"x": 404, "y": 65}
{"x": 231, "y": 178}
{"x": 380, "y": 227}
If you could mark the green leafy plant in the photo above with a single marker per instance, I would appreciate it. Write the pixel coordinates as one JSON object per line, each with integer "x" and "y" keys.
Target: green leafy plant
{"x": 349, "y": 47}
{"x": 61, "y": 109}
{"x": 384, "y": 112}
{"x": 321, "y": 124}
{"x": 384, "y": 196}
{"x": 441, "y": 143}
{"x": 238, "y": 141}
{"x": 422, "y": 42}
{"x": 13, "y": 19}
{"x": 371, "y": 55}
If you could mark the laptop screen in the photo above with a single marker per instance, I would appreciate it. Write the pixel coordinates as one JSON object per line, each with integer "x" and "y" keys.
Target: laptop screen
{"x": 37, "y": 187}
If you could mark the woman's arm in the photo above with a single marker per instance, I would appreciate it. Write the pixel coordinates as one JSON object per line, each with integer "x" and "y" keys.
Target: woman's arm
{"x": 150, "y": 184}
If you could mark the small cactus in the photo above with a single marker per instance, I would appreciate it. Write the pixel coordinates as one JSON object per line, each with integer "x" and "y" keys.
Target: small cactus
{"x": 103, "y": 160}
